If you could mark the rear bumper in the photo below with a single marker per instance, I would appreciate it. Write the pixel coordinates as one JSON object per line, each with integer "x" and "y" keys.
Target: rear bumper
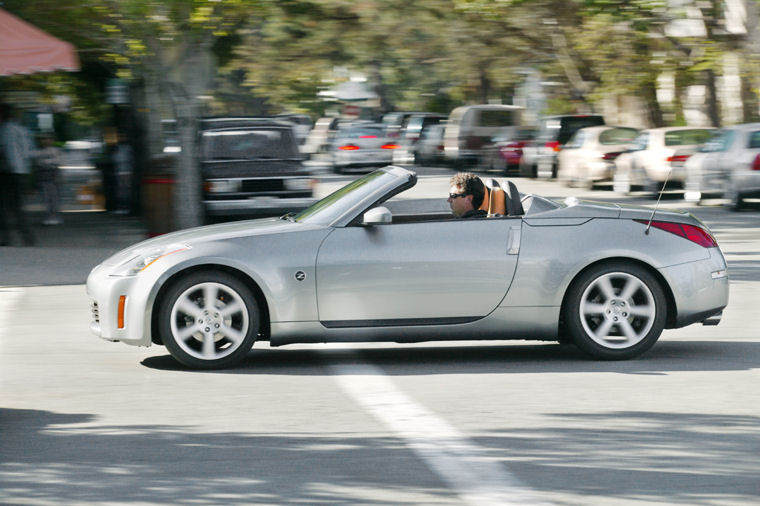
{"x": 700, "y": 289}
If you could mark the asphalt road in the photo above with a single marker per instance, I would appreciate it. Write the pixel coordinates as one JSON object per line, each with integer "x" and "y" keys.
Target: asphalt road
{"x": 84, "y": 421}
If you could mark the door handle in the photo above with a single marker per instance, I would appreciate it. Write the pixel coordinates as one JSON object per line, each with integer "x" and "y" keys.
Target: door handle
{"x": 513, "y": 244}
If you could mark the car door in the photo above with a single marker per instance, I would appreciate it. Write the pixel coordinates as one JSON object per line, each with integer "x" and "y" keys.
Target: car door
{"x": 405, "y": 273}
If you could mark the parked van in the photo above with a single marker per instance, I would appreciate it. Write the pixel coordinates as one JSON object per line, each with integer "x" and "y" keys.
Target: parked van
{"x": 471, "y": 127}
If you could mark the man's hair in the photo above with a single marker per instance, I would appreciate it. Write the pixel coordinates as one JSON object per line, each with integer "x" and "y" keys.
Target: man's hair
{"x": 470, "y": 185}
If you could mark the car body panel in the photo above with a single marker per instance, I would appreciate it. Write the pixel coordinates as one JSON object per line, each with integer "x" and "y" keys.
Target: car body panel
{"x": 539, "y": 158}
{"x": 324, "y": 275}
{"x": 440, "y": 281}
{"x": 582, "y": 160}
{"x": 724, "y": 166}
{"x": 648, "y": 160}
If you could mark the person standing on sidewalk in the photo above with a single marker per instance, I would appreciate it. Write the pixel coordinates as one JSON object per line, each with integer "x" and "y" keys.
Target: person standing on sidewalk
{"x": 48, "y": 161}
{"x": 16, "y": 148}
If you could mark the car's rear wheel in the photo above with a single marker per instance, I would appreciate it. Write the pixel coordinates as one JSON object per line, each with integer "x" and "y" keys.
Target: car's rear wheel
{"x": 208, "y": 320}
{"x": 615, "y": 311}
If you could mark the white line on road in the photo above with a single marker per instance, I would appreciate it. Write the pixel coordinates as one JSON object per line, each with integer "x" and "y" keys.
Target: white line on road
{"x": 476, "y": 478}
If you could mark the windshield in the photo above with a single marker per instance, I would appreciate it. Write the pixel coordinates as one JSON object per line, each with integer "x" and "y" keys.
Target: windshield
{"x": 337, "y": 203}
{"x": 248, "y": 144}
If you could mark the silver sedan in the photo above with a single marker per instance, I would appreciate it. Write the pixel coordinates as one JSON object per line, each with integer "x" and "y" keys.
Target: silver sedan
{"x": 606, "y": 277}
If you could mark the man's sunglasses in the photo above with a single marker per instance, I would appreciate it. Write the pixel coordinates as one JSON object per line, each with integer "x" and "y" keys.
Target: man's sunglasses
{"x": 455, "y": 195}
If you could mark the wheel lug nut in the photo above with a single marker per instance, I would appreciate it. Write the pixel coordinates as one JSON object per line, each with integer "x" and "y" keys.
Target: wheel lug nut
{"x": 207, "y": 329}
{"x": 615, "y": 318}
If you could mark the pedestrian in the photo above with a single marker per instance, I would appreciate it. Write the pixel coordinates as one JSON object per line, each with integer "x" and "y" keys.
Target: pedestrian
{"x": 48, "y": 163}
{"x": 466, "y": 195}
{"x": 16, "y": 149}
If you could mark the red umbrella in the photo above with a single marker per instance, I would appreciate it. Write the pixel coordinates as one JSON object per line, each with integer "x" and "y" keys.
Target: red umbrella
{"x": 25, "y": 49}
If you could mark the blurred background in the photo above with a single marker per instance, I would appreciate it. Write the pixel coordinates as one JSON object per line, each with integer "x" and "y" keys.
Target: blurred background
{"x": 145, "y": 72}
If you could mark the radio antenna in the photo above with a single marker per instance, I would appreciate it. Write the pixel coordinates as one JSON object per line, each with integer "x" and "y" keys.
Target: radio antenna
{"x": 649, "y": 225}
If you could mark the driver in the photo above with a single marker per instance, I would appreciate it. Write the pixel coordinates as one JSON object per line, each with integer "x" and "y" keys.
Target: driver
{"x": 466, "y": 196}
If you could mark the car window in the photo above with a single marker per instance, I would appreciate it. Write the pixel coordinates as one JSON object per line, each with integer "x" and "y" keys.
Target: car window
{"x": 686, "y": 137}
{"x": 359, "y": 132}
{"x": 490, "y": 118}
{"x": 641, "y": 141}
{"x": 576, "y": 141}
{"x": 754, "y": 140}
{"x": 618, "y": 136}
{"x": 719, "y": 141}
{"x": 248, "y": 144}
{"x": 571, "y": 124}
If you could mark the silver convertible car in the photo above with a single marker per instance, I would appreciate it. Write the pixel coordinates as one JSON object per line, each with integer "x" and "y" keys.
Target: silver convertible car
{"x": 607, "y": 277}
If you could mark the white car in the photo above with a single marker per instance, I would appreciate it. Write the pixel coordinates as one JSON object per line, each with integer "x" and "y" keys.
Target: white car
{"x": 589, "y": 156}
{"x": 649, "y": 163}
{"x": 727, "y": 165}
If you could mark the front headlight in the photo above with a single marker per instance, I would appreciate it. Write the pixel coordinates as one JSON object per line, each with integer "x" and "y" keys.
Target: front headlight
{"x": 143, "y": 259}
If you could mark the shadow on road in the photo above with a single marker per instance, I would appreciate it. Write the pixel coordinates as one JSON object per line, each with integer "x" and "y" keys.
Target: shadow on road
{"x": 669, "y": 458}
{"x": 409, "y": 360}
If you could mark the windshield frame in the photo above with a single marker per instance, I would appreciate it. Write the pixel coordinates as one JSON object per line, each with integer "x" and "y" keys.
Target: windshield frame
{"x": 343, "y": 205}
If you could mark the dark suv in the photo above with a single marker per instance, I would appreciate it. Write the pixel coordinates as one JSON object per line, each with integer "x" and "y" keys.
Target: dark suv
{"x": 539, "y": 158}
{"x": 252, "y": 166}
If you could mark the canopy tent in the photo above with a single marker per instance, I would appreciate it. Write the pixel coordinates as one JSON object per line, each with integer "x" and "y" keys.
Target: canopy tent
{"x": 25, "y": 49}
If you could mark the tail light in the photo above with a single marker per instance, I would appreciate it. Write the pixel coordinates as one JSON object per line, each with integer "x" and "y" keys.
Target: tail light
{"x": 610, "y": 156}
{"x": 349, "y": 147}
{"x": 553, "y": 145}
{"x": 389, "y": 146}
{"x": 369, "y": 136}
{"x": 678, "y": 158}
{"x": 756, "y": 163}
{"x": 693, "y": 233}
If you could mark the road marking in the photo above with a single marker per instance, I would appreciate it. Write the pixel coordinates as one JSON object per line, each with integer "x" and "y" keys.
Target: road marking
{"x": 9, "y": 301}
{"x": 476, "y": 478}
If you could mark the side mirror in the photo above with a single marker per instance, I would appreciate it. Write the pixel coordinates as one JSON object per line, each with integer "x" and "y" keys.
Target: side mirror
{"x": 377, "y": 216}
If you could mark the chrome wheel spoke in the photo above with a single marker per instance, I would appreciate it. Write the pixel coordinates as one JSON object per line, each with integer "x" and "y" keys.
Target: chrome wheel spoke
{"x": 188, "y": 307}
{"x": 604, "y": 329}
{"x": 232, "y": 334}
{"x": 645, "y": 311}
{"x": 186, "y": 333}
{"x": 605, "y": 286}
{"x": 209, "y": 346}
{"x": 230, "y": 309}
{"x": 210, "y": 292}
{"x": 593, "y": 308}
{"x": 630, "y": 333}
{"x": 630, "y": 288}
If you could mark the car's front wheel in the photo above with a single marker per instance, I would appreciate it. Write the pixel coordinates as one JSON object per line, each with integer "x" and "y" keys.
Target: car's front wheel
{"x": 208, "y": 320}
{"x": 615, "y": 311}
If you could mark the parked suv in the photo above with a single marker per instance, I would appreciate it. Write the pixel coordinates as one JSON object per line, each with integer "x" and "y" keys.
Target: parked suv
{"x": 252, "y": 166}
{"x": 540, "y": 156}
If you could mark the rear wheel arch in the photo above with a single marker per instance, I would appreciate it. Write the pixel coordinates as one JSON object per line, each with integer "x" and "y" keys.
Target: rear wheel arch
{"x": 670, "y": 299}
{"x": 240, "y": 275}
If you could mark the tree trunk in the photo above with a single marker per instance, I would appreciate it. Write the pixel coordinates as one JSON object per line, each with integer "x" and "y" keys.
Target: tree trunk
{"x": 713, "y": 110}
{"x": 188, "y": 208}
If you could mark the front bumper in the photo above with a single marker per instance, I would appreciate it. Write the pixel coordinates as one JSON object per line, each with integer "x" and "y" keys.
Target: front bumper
{"x": 105, "y": 293}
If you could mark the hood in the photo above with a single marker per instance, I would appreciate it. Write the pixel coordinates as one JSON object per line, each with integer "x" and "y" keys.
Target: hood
{"x": 194, "y": 236}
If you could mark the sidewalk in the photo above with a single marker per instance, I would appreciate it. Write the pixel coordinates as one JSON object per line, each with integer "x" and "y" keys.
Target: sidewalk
{"x": 65, "y": 254}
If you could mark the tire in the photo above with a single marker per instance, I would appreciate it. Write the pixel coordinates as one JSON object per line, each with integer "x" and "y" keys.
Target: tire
{"x": 615, "y": 311}
{"x": 204, "y": 335}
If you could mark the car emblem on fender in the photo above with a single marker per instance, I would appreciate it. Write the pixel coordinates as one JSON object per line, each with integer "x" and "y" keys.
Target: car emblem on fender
{"x": 300, "y": 275}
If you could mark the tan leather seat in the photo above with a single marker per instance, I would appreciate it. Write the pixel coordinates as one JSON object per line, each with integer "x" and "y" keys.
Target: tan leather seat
{"x": 494, "y": 202}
